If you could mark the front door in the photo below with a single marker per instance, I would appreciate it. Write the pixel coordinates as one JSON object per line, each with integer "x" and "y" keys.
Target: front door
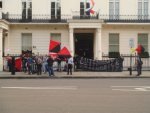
{"x": 84, "y": 45}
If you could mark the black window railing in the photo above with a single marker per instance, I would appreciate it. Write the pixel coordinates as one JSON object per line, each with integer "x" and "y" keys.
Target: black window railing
{"x": 63, "y": 18}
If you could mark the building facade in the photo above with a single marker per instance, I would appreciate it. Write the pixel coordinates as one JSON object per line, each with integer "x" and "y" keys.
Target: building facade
{"x": 87, "y": 28}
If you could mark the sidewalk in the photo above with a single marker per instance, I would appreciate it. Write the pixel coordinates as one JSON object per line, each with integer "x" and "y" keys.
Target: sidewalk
{"x": 79, "y": 74}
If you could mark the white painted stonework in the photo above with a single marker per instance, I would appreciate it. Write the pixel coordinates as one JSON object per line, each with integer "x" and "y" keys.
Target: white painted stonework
{"x": 1, "y": 58}
{"x": 11, "y": 32}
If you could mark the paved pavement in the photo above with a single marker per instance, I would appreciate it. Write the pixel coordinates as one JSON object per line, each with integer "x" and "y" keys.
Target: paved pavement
{"x": 79, "y": 74}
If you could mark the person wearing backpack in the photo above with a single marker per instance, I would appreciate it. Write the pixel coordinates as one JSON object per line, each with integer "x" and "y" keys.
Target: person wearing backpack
{"x": 139, "y": 65}
{"x": 140, "y": 50}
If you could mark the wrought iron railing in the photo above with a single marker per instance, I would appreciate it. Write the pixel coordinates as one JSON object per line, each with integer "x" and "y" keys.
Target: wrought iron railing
{"x": 44, "y": 18}
{"x": 126, "y": 62}
{"x": 35, "y": 18}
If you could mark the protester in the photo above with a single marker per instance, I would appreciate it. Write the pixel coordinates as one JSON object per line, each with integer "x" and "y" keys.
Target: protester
{"x": 70, "y": 65}
{"x": 59, "y": 63}
{"x": 140, "y": 50}
{"x": 39, "y": 66}
{"x": 29, "y": 65}
{"x": 139, "y": 65}
{"x": 45, "y": 65}
{"x": 50, "y": 66}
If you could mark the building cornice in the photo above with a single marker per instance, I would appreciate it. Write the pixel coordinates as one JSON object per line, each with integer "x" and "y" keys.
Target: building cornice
{"x": 85, "y": 23}
{"x": 38, "y": 23}
{"x": 4, "y": 24}
{"x": 126, "y": 23}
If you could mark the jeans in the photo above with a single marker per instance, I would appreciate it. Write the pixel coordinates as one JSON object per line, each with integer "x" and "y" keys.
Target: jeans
{"x": 50, "y": 71}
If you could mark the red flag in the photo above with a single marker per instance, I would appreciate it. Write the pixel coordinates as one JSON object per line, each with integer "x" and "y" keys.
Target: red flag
{"x": 54, "y": 46}
{"x": 64, "y": 52}
{"x": 18, "y": 63}
{"x": 53, "y": 55}
{"x": 92, "y": 11}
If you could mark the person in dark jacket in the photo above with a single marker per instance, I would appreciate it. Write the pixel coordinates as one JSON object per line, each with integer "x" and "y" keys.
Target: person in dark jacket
{"x": 139, "y": 65}
{"x": 50, "y": 66}
{"x": 70, "y": 66}
{"x": 59, "y": 63}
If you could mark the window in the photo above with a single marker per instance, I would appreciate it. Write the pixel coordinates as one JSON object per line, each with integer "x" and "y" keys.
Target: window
{"x": 143, "y": 9}
{"x": 27, "y": 9}
{"x": 55, "y": 9}
{"x": 84, "y": 5}
{"x": 0, "y": 4}
{"x": 113, "y": 42}
{"x": 55, "y": 37}
{"x": 26, "y": 41}
{"x": 113, "y": 9}
{"x": 143, "y": 40}
{"x": 23, "y": 10}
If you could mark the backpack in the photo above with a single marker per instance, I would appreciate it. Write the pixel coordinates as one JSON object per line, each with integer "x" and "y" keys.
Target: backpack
{"x": 142, "y": 49}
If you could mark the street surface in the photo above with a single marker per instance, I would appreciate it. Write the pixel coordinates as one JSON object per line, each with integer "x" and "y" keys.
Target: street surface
{"x": 75, "y": 95}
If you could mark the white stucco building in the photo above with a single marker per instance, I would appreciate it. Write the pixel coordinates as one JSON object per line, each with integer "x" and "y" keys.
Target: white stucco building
{"x": 30, "y": 24}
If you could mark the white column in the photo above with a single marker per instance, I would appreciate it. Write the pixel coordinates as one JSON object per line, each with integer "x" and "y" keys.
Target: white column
{"x": 0, "y": 13}
{"x": 1, "y": 49}
{"x": 71, "y": 41}
{"x": 98, "y": 44}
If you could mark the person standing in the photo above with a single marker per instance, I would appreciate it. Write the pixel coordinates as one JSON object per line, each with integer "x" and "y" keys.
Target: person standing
{"x": 50, "y": 66}
{"x": 139, "y": 65}
{"x": 29, "y": 65}
{"x": 59, "y": 63}
{"x": 45, "y": 65}
{"x": 70, "y": 65}
{"x": 39, "y": 65}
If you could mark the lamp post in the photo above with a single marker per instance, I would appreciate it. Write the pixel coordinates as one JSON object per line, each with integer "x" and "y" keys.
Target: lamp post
{"x": 130, "y": 64}
{"x": 131, "y": 44}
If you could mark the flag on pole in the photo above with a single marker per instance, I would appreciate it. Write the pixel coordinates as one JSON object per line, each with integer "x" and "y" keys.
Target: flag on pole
{"x": 54, "y": 46}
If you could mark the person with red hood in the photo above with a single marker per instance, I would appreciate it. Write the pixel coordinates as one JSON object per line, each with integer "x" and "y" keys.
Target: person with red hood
{"x": 139, "y": 49}
{"x": 138, "y": 60}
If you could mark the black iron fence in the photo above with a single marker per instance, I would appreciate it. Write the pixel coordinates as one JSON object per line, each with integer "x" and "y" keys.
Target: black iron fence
{"x": 37, "y": 18}
{"x": 128, "y": 59}
{"x": 45, "y": 18}
{"x": 88, "y": 64}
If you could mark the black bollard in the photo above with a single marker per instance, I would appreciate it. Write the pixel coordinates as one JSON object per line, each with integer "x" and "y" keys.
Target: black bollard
{"x": 13, "y": 66}
{"x": 130, "y": 70}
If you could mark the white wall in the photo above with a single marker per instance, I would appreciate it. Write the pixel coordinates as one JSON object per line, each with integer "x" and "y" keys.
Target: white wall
{"x": 40, "y": 38}
{"x": 127, "y": 7}
{"x": 41, "y": 7}
{"x": 125, "y": 33}
{"x": 12, "y": 6}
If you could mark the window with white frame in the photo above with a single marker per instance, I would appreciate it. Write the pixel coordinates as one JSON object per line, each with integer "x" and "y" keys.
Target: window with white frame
{"x": 113, "y": 42}
{"x": 113, "y": 9}
{"x": 26, "y": 42}
{"x": 84, "y": 6}
{"x": 55, "y": 37}
{"x": 143, "y": 9}
{"x": 1, "y": 5}
{"x": 27, "y": 9}
{"x": 143, "y": 40}
{"x": 55, "y": 9}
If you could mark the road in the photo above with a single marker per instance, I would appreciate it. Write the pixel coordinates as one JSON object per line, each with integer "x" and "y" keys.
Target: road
{"x": 74, "y": 96}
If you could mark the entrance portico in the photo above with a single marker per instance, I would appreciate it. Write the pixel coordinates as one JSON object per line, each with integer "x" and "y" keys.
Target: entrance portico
{"x": 3, "y": 26}
{"x": 86, "y": 24}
